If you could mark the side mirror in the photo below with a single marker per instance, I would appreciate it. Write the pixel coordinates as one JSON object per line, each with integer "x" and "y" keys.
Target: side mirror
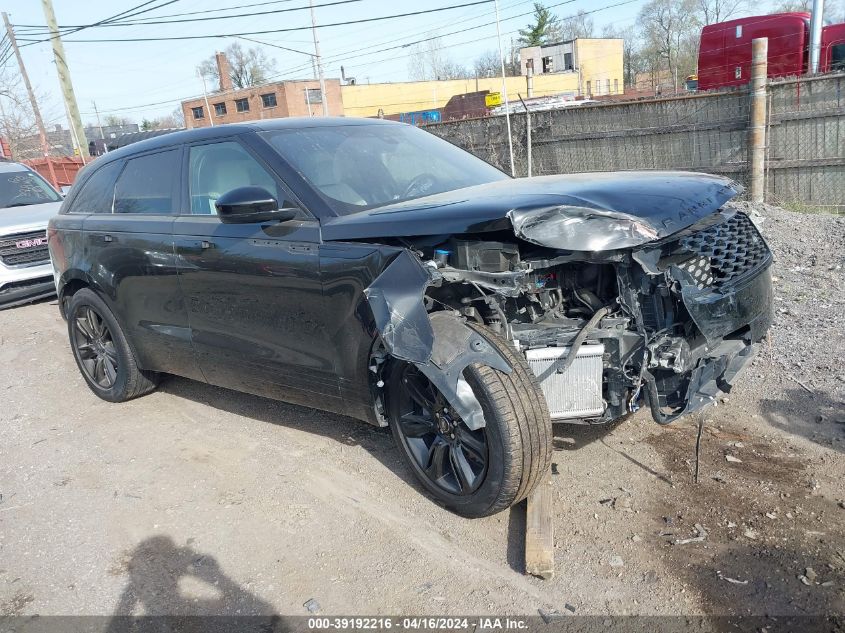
{"x": 250, "y": 205}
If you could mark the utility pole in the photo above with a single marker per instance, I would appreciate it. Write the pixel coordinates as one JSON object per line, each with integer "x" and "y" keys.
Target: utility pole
{"x": 323, "y": 95}
{"x": 39, "y": 122}
{"x": 78, "y": 131}
{"x": 757, "y": 129}
{"x": 505, "y": 89}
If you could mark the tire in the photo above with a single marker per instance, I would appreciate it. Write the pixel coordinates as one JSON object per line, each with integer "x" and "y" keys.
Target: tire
{"x": 517, "y": 435}
{"x": 102, "y": 353}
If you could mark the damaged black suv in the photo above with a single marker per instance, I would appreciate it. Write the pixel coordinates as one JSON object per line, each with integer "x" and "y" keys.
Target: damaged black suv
{"x": 371, "y": 269}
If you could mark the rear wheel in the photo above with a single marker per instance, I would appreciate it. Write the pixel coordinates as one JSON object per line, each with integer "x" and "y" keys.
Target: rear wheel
{"x": 102, "y": 352}
{"x": 481, "y": 472}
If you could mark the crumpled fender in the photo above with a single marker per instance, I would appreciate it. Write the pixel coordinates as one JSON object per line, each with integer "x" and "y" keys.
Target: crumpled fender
{"x": 442, "y": 345}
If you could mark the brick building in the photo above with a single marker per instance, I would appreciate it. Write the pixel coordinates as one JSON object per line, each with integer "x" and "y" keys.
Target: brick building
{"x": 268, "y": 101}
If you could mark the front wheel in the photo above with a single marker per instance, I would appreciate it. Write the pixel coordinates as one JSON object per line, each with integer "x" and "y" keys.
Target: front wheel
{"x": 481, "y": 472}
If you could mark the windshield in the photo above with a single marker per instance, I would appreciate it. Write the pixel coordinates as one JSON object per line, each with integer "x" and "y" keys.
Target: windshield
{"x": 358, "y": 167}
{"x": 21, "y": 188}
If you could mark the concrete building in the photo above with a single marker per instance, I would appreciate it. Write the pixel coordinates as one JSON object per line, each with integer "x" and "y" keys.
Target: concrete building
{"x": 594, "y": 64}
{"x": 268, "y": 101}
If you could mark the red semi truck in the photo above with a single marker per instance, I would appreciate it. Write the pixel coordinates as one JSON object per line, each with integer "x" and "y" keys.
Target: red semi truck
{"x": 724, "y": 54}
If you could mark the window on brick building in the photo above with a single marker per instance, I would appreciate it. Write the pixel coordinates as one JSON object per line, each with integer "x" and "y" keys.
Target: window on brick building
{"x": 313, "y": 95}
{"x": 198, "y": 113}
{"x": 219, "y": 109}
{"x": 269, "y": 100}
{"x": 242, "y": 105}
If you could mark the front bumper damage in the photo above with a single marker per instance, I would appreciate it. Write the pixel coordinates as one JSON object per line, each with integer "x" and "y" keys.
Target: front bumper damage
{"x": 691, "y": 311}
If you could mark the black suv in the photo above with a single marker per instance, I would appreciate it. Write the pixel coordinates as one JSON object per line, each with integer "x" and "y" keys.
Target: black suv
{"x": 371, "y": 269}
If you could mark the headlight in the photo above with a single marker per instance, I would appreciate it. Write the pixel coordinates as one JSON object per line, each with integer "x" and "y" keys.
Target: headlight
{"x": 580, "y": 228}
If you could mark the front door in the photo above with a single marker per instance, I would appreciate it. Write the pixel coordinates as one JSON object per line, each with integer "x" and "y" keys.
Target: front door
{"x": 253, "y": 291}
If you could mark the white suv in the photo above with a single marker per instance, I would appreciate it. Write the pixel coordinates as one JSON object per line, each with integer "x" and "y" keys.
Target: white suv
{"x": 27, "y": 202}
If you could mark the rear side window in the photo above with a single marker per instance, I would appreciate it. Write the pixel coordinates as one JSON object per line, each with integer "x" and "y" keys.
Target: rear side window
{"x": 147, "y": 184}
{"x": 97, "y": 193}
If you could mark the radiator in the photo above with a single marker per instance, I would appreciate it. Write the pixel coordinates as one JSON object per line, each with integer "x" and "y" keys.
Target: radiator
{"x": 575, "y": 393}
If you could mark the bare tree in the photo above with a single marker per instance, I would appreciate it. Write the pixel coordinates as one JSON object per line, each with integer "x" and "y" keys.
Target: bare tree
{"x": 575, "y": 26}
{"x": 113, "y": 120}
{"x": 712, "y": 11}
{"x": 488, "y": 64}
{"x": 247, "y": 67}
{"x": 670, "y": 35}
{"x": 17, "y": 121}
{"x": 428, "y": 61}
{"x": 633, "y": 62}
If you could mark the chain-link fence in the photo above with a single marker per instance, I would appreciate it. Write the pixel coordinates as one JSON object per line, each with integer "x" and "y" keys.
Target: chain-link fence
{"x": 703, "y": 132}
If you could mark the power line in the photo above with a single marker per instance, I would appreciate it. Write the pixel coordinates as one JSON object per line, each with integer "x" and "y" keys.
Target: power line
{"x": 287, "y": 30}
{"x": 128, "y": 13}
{"x": 214, "y": 17}
{"x": 179, "y": 15}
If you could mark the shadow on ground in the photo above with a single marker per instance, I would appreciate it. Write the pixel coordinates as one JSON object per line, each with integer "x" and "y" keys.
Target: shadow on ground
{"x": 818, "y": 417}
{"x": 188, "y": 587}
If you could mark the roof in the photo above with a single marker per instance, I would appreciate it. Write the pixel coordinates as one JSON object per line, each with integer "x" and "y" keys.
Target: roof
{"x": 221, "y": 131}
{"x": 10, "y": 167}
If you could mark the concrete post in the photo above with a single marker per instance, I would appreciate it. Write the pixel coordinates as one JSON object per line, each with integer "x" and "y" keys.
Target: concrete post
{"x": 529, "y": 81}
{"x": 77, "y": 129}
{"x": 757, "y": 129}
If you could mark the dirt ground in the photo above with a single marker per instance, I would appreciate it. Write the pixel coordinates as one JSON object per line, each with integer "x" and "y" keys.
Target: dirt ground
{"x": 200, "y": 500}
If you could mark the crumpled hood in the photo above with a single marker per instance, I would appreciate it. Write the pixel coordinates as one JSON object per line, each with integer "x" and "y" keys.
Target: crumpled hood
{"x": 31, "y": 217}
{"x": 630, "y": 207}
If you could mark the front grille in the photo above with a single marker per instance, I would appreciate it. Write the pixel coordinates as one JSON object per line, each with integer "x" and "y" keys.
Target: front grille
{"x": 724, "y": 251}
{"x": 24, "y": 248}
{"x": 576, "y": 393}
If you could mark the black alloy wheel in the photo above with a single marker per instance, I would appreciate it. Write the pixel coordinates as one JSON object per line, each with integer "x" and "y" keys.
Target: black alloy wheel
{"x": 95, "y": 346}
{"x": 442, "y": 447}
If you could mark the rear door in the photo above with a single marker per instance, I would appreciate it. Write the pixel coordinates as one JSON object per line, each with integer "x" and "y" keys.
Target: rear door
{"x": 129, "y": 247}
{"x": 253, "y": 291}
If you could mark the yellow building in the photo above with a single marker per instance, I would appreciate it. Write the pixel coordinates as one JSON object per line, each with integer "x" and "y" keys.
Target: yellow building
{"x": 595, "y": 69}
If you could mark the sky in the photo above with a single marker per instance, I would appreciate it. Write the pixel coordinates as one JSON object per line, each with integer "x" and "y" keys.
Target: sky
{"x": 140, "y": 80}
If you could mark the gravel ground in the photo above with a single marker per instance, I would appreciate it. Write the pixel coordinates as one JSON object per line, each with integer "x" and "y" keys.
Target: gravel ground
{"x": 196, "y": 499}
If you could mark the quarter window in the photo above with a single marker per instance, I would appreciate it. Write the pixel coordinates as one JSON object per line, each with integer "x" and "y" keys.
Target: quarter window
{"x": 219, "y": 109}
{"x": 197, "y": 112}
{"x": 269, "y": 100}
{"x": 97, "y": 193}
{"x": 242, "y": 105}
{"x": 147, "y": 184}
{"x": 220, "y": 167}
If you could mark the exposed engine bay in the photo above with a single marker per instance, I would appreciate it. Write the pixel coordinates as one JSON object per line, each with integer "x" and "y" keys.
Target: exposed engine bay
{"x": 667, "y": 324}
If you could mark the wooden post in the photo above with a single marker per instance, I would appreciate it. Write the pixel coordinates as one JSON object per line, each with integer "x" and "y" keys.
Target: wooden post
{"x": 757, "y": 130}
{"x": 539, "y": 531}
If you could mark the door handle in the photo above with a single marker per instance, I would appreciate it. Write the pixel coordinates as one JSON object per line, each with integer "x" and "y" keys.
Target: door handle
{"x": 205, "y": 244}
{"x": 107, "y": 238}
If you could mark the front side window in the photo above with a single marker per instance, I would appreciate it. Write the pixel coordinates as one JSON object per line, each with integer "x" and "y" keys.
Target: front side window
{"x": 837, "y": 56}
{"x": 147, "y": 183}
{"x": 268, "y": 100}
{"x": 219, "y": 109}
{"x": 217, "y": 168}
{"x": 197, "y": 112}
{"x": 242, "y": 105}
{"x": 23, "y": 188}
{"x": 97, "y": 193}
{"x": 357, "y": 167}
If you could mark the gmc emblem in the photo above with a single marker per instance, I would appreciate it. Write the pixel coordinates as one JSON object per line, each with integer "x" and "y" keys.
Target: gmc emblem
{"x": 38, "y": 241}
